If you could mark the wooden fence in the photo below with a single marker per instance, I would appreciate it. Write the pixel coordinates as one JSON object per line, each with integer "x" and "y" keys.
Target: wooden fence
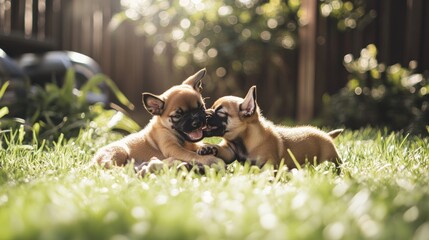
{"x": 400, "y": 30}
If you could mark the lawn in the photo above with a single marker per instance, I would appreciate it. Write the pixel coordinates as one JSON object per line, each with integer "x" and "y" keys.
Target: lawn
{"x": 48, "y": 190}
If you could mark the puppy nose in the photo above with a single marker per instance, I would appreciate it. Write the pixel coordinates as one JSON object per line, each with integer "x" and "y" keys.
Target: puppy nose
{"x": 196, "y": 123}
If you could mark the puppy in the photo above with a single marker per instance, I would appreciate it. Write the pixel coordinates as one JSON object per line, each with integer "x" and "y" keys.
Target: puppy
{"x": 172, "y": 133}
{"x": 249, "y": 136}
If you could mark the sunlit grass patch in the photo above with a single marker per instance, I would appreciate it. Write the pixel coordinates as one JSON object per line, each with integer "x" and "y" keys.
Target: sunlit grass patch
{"x": 51, "y": 191}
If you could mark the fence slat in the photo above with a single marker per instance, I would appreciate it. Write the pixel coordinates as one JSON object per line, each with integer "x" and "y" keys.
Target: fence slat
{"x": 306, "y": 71}
{"x": 17, "y": 15}
{"x": 413, "y": 34}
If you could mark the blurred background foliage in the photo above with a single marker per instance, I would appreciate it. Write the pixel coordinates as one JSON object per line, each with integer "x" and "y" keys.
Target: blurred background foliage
{"x": 50, "y": 111}
{"x": 348, "y": 15}
{"x": 380, "y": 96}
{"x": 231, "y": 35}
{"x": 234, "y": 38}
{"x": 238, "y": 38}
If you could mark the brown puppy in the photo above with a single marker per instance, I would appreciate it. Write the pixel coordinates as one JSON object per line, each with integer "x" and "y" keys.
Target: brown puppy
{"x": 173, "y": 132}
{"x": 249, "y": 136}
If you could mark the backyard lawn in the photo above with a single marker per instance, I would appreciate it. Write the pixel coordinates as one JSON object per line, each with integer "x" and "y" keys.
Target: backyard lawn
{"x": 71, "y": 72}
{"x": 48, "y": 190}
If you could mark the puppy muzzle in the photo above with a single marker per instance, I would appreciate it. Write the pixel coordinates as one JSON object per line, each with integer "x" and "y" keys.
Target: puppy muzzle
{"x": 190, "y": 126}
{"x": 216, "y": 125}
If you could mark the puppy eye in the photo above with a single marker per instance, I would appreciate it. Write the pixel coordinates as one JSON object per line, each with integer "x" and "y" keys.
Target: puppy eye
{"x": 175, "y": 117}
{"x": 222, "y": 114}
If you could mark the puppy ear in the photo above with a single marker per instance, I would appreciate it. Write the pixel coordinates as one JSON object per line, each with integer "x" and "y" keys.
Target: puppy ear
{"x": 153, "y": 104}
{"x": 248, "y": 106}
{"x": 196, "y": 80}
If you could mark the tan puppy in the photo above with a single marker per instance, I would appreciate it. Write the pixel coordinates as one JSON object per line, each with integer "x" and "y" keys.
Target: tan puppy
{"x": 249, "y": 136}
{"x": 176, "y": 126}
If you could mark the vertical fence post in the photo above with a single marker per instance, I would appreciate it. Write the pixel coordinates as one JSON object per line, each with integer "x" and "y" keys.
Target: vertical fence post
{"x": 307, "y": 58}
{"x": 17, "y": 15}
{"x": 413, "y": 31}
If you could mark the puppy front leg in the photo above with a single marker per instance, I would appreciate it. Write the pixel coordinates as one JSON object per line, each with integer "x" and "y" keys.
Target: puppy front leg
{"x": 223, "y": 151}
{"x": 194, "y": 146}
{"x": 113, "y": 154}
{"x": 155, "y": 165}
{"x": 226, "y": 152}
{"x": 178, "y": 152}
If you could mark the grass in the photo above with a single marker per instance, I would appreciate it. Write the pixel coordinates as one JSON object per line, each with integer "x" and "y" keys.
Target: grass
{"x": 49, "y": 191}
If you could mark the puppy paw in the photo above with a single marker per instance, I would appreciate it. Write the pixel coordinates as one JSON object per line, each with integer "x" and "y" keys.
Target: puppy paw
{"x": 110, "y": 156}
{"x": 208, "y": 150}
{"x": 212, "y": 161}
{"x": 196, "y": 166}
{"x": 153, "y": 166}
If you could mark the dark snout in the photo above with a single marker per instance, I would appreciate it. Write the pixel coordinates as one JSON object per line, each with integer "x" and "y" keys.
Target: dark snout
{"x": 215, "y": 125}
{"x": 190, "y": 125}
{"x": 195, "y": 119}
{"x": 198, "y": 120}
{"x": 209, "y": 114}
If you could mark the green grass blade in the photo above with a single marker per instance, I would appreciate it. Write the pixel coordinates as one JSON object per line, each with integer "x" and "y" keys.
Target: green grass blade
{"x": 66, "y": 91}
{"x": 100, "y": 78}
{"x": 3, "y": 88}
{"x": 4, "y": 111}
{"x": 298, "y": 166}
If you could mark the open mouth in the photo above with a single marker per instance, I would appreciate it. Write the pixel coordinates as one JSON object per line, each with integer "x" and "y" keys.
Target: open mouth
{"x": 196, "y": 134}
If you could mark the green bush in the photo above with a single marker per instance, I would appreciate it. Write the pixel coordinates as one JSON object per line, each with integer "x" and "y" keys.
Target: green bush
{"x": 348, "y": 15}
{"x": 394, "y": 96}
{"x": 237, "y": 39}
{"x": 51, "y": 111}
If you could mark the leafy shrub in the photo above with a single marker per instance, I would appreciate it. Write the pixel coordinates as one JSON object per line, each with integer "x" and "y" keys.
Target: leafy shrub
{"x": 51, "y": 111}
{"x": 394, "y": 97}
{"x": 348, "y": 15}
{"x": 238, "y": 39}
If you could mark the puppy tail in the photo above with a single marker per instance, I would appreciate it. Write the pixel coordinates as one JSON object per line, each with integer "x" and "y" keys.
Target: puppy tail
{"x": 334, "y": 133}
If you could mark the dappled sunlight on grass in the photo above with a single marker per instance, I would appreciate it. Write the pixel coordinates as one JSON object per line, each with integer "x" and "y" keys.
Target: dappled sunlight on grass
{"x": 381, "y": 192}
